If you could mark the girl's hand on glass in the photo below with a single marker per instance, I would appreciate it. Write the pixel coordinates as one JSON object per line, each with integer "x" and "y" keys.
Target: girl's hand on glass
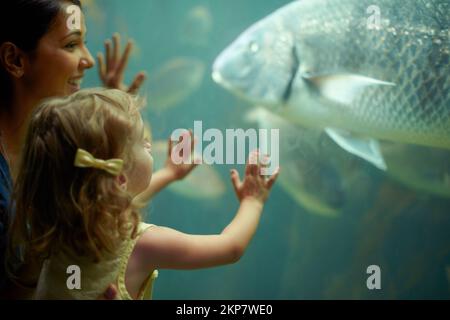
{"x": 180, "y": 171}
{"x": 255, "y": 186}
{"x": 112, "y": 70}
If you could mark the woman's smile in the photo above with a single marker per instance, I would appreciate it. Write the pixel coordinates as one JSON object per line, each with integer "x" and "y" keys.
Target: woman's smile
{"x": 75, "y": 83}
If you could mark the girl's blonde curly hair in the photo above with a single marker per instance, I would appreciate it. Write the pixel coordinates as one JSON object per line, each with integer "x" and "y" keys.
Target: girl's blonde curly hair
{"x": 60, "y": 207}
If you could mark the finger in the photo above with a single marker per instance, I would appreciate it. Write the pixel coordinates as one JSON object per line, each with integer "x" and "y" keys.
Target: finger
{"x": 101, "y": 65}
{"x": 188, "y": 156}
{"x": 263, "y": 164}
{"x": 169, "y": 152}
{"x": 180, "y": 141}
{"x": 236, "y": 181}
{"x": 250, "y": 161}
{"x": 272, "y": 179}
{"x": 179, "y": 146}
{"x": 259, "y": 165}
{"x": 251, "y": 170}
{"x": 116, "y": 51}
{"x": 181, "y": 137}
{"x": 253, "y": 167}
{"x": 124, "y": 60}
{"x": 194, "y": 144}
{"x": 193, "y": 140}
{"x": 253, "y": 157}
{"x": 265, "y": 161}
{"x": 137, "y": 83}
{"x": 248, "y": 169}
{"x": 198, "y": 160}
{"x": 256, "y": 171}
{"x": 109, "y": 62}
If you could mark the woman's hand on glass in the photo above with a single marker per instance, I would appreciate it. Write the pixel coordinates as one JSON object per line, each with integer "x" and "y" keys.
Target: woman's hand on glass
{"x": 112, "y": 68}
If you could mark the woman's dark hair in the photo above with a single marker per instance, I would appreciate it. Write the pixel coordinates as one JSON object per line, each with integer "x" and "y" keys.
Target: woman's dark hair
{"x": 24, "y": 23}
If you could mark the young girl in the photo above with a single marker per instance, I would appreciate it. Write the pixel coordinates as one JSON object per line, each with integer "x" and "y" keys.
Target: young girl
{"x": 85, "y": 160}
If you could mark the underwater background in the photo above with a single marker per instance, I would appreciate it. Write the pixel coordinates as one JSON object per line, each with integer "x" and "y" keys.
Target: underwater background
{"x": 330, "y": 215}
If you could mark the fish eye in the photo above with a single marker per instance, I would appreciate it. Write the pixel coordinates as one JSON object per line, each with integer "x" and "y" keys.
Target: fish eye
{"x": 253, "y": 46}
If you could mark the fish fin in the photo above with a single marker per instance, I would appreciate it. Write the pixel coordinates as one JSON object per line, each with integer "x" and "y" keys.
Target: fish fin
{"x": 343, "y": 88}
{"x": 365, "y": 148}
{"x": 256, "y": 115}
{"x": 294, "y": 72}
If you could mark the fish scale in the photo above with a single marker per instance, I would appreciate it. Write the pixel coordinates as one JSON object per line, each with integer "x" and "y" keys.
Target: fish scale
{"x": 411, "y": 111}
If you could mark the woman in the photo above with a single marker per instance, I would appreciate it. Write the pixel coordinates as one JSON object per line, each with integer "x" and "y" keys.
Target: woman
{"x": 41, "y": 57}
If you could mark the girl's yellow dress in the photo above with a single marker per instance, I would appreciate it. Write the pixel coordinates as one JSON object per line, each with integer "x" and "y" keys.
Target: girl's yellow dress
{"x": 54, "y": 280}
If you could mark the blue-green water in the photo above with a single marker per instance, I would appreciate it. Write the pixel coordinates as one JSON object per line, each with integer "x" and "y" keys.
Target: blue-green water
{"x": 296, "y": 253}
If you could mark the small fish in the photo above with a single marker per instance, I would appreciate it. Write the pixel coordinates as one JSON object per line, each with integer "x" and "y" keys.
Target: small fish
{"x": 197, "y": 26}
{"x": 321, "y": 63}
{"x": 202, "y": 183}
{"x": 174, "y": 82}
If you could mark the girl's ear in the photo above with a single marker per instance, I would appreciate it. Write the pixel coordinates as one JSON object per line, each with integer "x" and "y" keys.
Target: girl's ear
{"x": 122, "y": 181}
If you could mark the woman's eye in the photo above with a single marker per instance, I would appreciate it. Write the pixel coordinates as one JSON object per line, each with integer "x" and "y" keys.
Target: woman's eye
{"x": 71, "y": 45}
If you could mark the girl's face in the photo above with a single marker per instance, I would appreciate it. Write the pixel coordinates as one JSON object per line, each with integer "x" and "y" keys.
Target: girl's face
{"x": 140, "y": 174}
{"x": 57, "y": 67}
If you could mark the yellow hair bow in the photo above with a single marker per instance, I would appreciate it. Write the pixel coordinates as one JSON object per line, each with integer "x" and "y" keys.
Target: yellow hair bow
{"x": 84, "y": 159}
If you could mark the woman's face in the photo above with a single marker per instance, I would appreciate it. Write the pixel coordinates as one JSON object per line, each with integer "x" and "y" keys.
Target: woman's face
{"x": 57, "y": 67}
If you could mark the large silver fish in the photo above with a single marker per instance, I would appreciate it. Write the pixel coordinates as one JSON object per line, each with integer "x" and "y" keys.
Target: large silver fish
{"x": 359, "y": 69}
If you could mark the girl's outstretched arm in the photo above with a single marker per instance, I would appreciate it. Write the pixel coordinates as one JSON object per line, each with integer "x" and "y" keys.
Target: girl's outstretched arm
{"x": 165, "y": 248}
